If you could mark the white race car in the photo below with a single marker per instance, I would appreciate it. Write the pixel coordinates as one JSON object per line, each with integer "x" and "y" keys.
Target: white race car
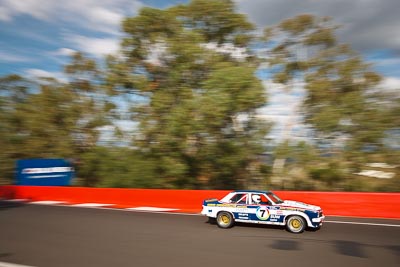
{"x": 263, "y": 207}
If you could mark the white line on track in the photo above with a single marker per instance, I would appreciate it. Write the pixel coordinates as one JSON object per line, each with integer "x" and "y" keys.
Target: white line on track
{"x": 91, "y": 205}
{"x": 160, "y": 210}
{"x": 6, "y": 264}
{"x": 362, "y": 223}
{"x": 47, "y": 202}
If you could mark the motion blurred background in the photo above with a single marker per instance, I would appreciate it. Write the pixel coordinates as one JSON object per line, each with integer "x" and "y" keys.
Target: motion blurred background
{"x": 204, "y": 94}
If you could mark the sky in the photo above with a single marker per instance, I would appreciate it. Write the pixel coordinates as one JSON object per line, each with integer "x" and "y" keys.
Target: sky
{"x": 37, "y": 36}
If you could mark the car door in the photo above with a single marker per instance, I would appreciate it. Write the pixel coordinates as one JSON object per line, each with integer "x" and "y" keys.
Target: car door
{"x": 261, "y": 207}
{"x": 241, "y": 211}
{"x": 275, "y": 215}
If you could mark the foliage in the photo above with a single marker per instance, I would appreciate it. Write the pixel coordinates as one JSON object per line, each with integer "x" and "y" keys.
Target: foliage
{"x": 188, "y": 77}
{"x": 345, "y": 102}
{"x": 116, "y": 167}
{"x": 198, "y": 121}
{"x": 343, "y": 97}
{"x": 50, "y": 119}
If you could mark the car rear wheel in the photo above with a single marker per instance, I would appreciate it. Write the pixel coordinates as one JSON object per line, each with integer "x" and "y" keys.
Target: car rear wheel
{"x": 225, "y": 220}
{"x": 296, "y": 224}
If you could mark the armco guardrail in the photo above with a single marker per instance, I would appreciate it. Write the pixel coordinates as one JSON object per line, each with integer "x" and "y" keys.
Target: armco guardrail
{"x": 373, "y": 205}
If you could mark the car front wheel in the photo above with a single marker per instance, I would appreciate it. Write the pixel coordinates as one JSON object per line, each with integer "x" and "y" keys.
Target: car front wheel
{"x": 296, "y": 224}
{"x": 225, "y": 220}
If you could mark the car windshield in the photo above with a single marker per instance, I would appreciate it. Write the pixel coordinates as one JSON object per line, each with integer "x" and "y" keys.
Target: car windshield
{"x": 274, "y": 198}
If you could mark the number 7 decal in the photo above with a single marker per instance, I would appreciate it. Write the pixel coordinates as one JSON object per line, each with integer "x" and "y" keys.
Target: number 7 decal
{"x": 262, "y": 213}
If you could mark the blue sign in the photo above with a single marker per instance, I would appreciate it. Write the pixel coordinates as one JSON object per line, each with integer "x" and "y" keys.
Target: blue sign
{"x": 49, "y": 172}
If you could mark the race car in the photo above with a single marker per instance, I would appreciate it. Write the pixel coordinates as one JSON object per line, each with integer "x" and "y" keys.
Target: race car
{"x": 262, "y": 207}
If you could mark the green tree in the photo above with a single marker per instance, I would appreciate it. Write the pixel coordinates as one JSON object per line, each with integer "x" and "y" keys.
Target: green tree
{"x": 51, "y": 119}
{"x": 14, "y": 92}
{"x": 34, "y": 120}
{"x": 90, "y": 103}
{"x": 197, "y": 116}
{"x": 117, "y": 167}
{"x": 344, "y": 97}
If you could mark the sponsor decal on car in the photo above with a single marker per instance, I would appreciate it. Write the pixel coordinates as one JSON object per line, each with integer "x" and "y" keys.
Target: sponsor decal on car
{"x": 275, "y": 217}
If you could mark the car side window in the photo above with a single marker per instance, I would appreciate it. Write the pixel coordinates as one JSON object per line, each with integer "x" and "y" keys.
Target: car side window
{"x": 264, "y": 200}
{"x": 239, "y": 199}
{"x": 259, "y": 199}
{"x": 243, "y": 199}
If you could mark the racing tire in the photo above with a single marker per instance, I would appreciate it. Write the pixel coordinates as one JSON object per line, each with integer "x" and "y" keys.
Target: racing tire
{"x": 225, "y": 220}
{"x": 296, "y": 224}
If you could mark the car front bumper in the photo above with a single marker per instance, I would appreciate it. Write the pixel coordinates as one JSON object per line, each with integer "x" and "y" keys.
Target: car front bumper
{"x": 317, "y": 222}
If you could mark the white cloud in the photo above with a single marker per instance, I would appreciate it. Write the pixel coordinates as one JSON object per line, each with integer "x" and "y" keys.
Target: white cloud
{"x": 391, "y": 83}
{"x": 94, "y": 46}
{"x": 126, "y": 125}
{"x": 235, "y": 52}
{"x": 96, "y": 15}
{"x": 39, "y": 9}
{"x": 366, "y": 24}
{"x": 4, "y": 14}
{"x": 63, "y": 52}
{"x": 283, "y": 109}
{"x": 105, "y": 16}
{"x": 38, "y": 73}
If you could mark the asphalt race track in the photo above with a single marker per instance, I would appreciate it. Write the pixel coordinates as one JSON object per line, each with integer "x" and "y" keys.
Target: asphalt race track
{"x": 50, "y": 236}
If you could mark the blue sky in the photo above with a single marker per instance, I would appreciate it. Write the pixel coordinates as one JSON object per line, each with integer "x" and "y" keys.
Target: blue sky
{"x": 37, "y": 36}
